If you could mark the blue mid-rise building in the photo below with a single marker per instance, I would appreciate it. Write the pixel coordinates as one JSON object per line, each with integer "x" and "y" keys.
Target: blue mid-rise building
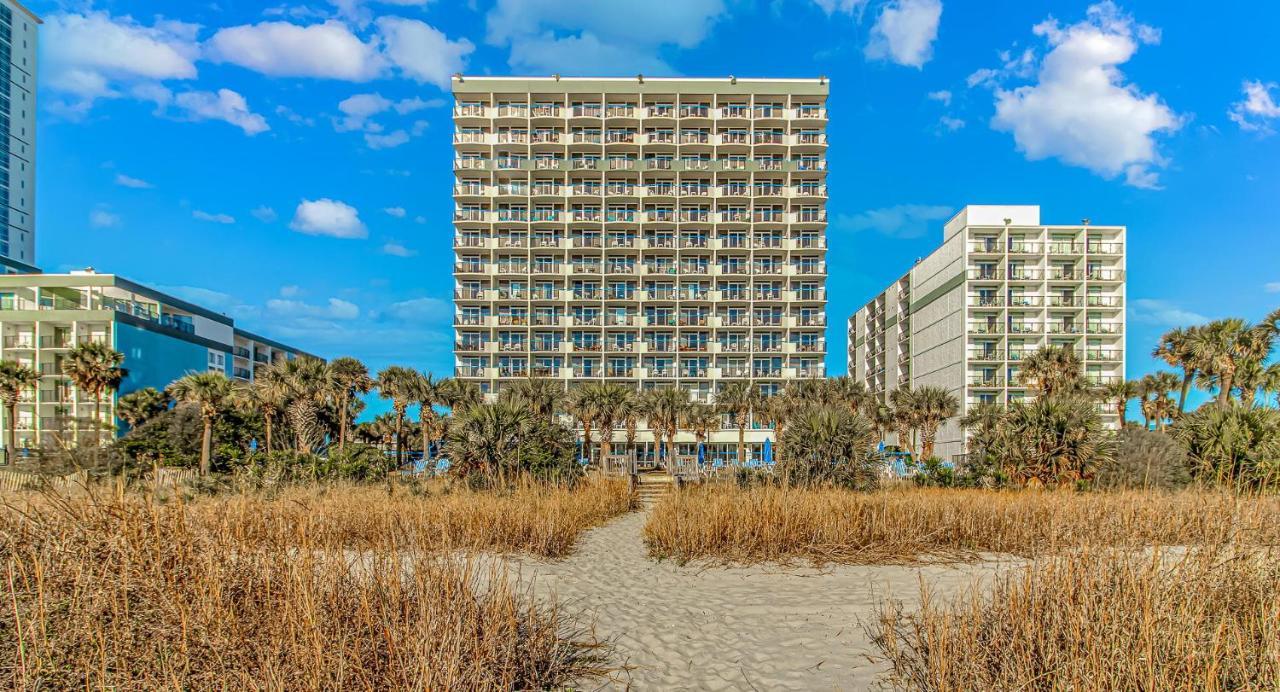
{"x": 43, "y": 316}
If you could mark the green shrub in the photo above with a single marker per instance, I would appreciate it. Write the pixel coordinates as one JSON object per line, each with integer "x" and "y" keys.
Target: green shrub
{"x": 1145, "y": 459}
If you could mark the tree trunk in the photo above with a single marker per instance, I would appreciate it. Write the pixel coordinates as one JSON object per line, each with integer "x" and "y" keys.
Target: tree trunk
{"x": 11, "y": 450}
{"x": 342, "y": 423}
{"x": 206, "y": 445}
{"x": 399, "y": 440}
{"x": 1224, "y": 393}
{"x": 426, "y": 442}
{"x": 1188, "y": 379}
{"x": 267, "y": 422}
{"x": 927, "y": 437}
{"x": 586, "y": 441}
{"x": 97, "y": 420}
{"x": 606, "y": 444}
{"x": 742, "y": 442}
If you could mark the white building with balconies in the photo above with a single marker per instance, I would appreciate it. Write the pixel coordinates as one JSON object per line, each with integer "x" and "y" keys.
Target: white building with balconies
{"x": 652, "y": 232}
{"x": 1001, "y": 286}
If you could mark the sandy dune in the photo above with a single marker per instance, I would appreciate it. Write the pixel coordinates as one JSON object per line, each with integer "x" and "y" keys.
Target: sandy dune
{"x": 712, "y": 628}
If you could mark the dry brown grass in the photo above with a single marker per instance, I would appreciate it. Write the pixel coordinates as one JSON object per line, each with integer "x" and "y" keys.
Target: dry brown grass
{"x": 305, "y": 590}
{"x": 766, "y": 524}
{"x": 1206, "y": 619}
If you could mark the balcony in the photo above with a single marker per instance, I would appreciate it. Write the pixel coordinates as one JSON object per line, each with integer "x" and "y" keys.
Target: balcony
{"x": 1105, "y": 275}
{"x": 766, "y": 372}
{"x": 1104, "y": 248}
{"x": 811, "y": 347}
{"x": 1024, "y": 327}
{"x": 986, "y": 355}
{"x": 986, "y": 381}
{"x": 1109, "y": 328}
{"x": 1064, "y": 328}
{"x": 1059, "y": 248}
{"x": 985, "y": 328}
{"x": 986, "y": 275}
{"x": 1104, "y": 355}
{"x": 985, "y": 301}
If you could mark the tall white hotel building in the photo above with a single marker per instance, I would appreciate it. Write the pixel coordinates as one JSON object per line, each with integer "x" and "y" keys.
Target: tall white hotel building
{"x": 18, "y": 134}
{"x": 1001, "y": 286}
{"x": 652, "y": 232}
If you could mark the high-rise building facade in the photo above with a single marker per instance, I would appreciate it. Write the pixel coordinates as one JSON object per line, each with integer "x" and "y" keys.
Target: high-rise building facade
{"x": 1001, "y": 286}
{"x": 653, "y": 232}
{"x": 18, "y": 132}
{"x": 43, "y": 316}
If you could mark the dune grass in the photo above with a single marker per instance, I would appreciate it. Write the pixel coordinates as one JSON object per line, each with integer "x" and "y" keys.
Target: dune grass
{"x": 1203, "y": 619}
{"x": 903, "y": 526}
{"x": 308, "y": 589}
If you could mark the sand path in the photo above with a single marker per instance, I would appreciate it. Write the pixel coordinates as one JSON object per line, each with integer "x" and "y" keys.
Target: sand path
{"x": 714, "y": 628}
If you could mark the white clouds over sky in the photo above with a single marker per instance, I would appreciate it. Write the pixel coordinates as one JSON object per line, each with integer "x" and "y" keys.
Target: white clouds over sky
{"x": 904, "y": 32}
{"x": 330, "y": 218}
{"x": 901, "y": 221}
{"x": 1257, "y": 111}
{"x": 1081, "y": 109}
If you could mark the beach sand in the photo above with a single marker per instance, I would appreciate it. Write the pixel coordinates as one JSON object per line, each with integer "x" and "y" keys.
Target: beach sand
{"x": 731, "y": 628}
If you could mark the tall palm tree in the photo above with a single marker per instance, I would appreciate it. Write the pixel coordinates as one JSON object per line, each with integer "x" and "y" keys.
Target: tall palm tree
{"x": 15, "y": 378}
{"x": 583, "y": 405}
{"x": 1056, "y": 440}
{"x": 1156, "y": 404}
{"x": 1052, "y": 370}
{"x": 138, "y": 407}
{"x": 348, "y": 378}
{"x": 852, "y": 392}
{"x": 984, "y": 425}
{"x": 1228, "y": 345}
{"x": 736, "y": 399}
{"x": 701, "y": 419}
{"x": 663, "y": 410}
{"x": 95, "y": 369}
{"x": 610, "y": 399}
{"x": 395, "y": 382}
{"x": 1118, "y": 394}
{"x": 307, "y": 381}
{"x": 1177, "y": 348}
{"x": 487, "y": 438}
{"x": 268, "y": 393}
{"x": 905, "y": 422}
{"x": 426, "y": 394}
{"x": 459, "y": 395}
{"x": 542, "y": 396}
{"x": 630, "y": 414}
{"x": 213, "y": 393}
{"x": 933, "y": 405}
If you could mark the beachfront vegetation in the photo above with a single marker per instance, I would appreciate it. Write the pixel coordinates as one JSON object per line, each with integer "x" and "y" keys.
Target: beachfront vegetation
{"x": 339, "y": 588}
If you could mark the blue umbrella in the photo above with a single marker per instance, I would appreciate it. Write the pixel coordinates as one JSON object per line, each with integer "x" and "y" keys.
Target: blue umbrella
{"x": 768, "y": 452}
{"x": 702, "y": 454}
{"x": 442, "y": 465}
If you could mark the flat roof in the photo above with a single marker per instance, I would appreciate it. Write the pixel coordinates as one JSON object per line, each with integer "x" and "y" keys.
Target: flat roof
{"x": 28, "y": 12}
{"x": 816, "y": 86}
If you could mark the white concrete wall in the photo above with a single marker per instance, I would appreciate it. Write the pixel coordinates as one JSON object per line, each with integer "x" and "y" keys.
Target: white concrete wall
{"x": 22, "y": 136}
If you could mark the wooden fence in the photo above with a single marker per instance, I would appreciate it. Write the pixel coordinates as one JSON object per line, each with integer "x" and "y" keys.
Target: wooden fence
{"x": 12, "y": 481}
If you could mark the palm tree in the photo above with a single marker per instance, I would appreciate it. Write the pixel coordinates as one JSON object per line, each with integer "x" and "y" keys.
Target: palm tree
{"x": 905, "y": 423}
{"x": 213, "y": 393}
{"x": 459, "y": 395}
{"x": 1157, "y": 405}
{"x": 269, "y": 394}
{"x": 425, "y": 392}
{"x": 1052, "y": 370}
{"x": 396, "y": 383}
{"x": 15, "y": 378}
{"x": 932, "y": 405}
{"x": 543, "y": 397}
{"x": 736, "y": 400}
{"x": 609, "y": 402}
{"x": 701, "y": 419}
{"x": 1056, "y": 440}
{"x": 664, "y": 409}
{"x": 487, "y": 437}
{"x": 348, "y": 378}
{"x": 583, "y": 405}
{"x": 1228, "y": 345}
{"x": 1118, "y": 394}
{"x": 984, "y": 425}
{"x": 630, "y": 414}
{"x": 138, "y": 407}
{"x": 95, "y": 369}
{"x": 1177, "y": 348}
{"x": 827, "y": 439}
{"x": 307, "y": 382}
{"x": 852, "y": 392}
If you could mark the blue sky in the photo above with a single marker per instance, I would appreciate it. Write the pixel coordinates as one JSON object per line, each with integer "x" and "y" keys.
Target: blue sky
{"x": 215, "y": 148}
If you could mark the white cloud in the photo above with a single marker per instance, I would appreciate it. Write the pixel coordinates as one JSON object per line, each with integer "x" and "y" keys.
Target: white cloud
{"x": 294, "y": 117}
{"x": 94, "y": 55}
{"x": 334, "y": 309}
{"x": 1272, "y": 287}
{"x": 1163, "y": 313}
{"x": 225, "y": 105}
{"x": 212, "y": 218}
{"x": 901, "y": 221}
{"x": 904, "y": 32}
{"x": 358, "y": 109}
{"x": 421, "y": 51}
{"x": 420, "y": 219}
{"x": 415, "y": 104}
{"x": 419, "y": 310}
{"x": 281, "y": 49}
{"x": 397, "y": 212}
{"x": 1081, "y": 111}
{"x": 1022, "y": 66}
{"x": 845, "y": 6}
{"x": 950, "y": 123}
{"x": 396, "y": 249}
{"x": 136, "y": 183}
{"x": 943, "y": 96}
{"x": 328, "y": 217}
{"x": 101, "y": 218}
{"x": 290, "y": 290}
{"x": 1257, "y": 111}
{"x": 264, "y": 214}
{"x": 390, "y": 140}
{"x": 619, "y": 37}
